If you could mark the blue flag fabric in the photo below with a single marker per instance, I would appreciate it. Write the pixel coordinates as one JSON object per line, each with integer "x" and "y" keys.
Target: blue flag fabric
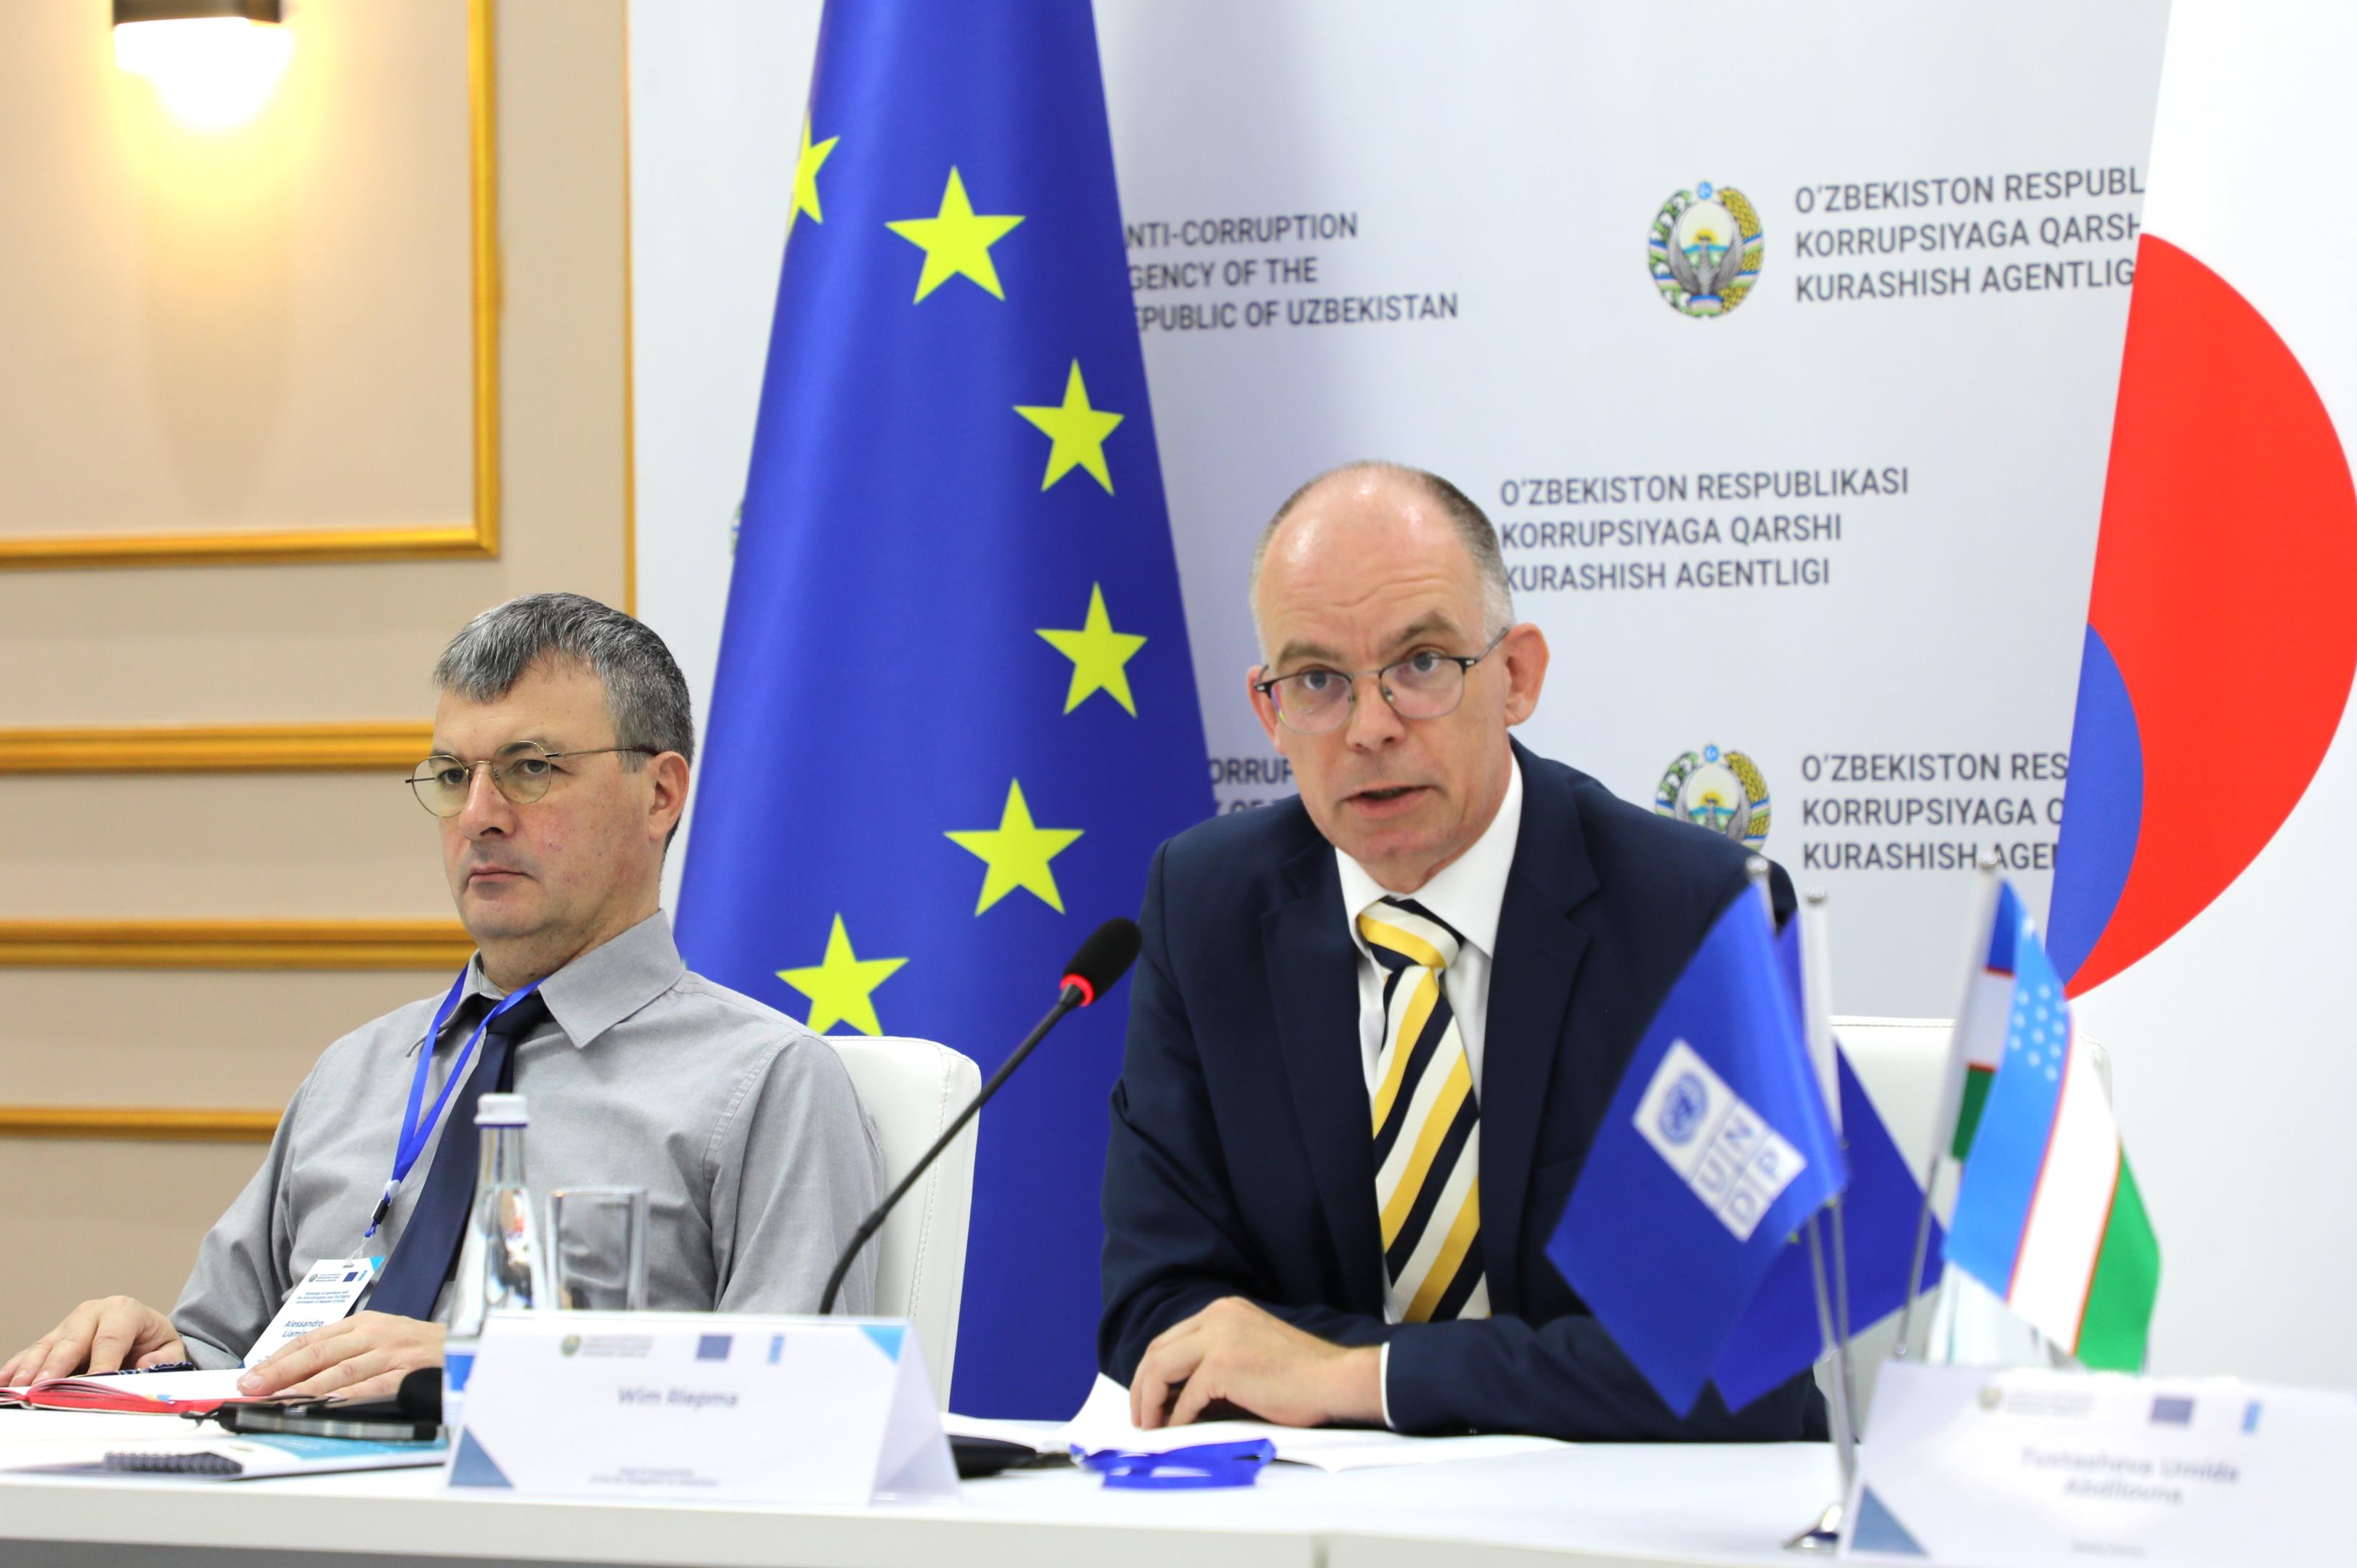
{"x": 1717, "y": 1146}
{"x": 955, "y": 711}
{"x": 1779, "y": 1335}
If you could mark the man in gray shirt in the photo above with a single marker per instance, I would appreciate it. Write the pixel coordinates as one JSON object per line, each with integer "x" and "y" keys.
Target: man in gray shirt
{"x": 562, "y": 741}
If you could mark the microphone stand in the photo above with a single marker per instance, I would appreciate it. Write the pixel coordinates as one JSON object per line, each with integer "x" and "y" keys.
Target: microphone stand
{"x": 1073, "y": 996}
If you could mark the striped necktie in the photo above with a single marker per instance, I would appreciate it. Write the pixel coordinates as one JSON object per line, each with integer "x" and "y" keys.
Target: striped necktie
{"x": 1428, "y": 1124}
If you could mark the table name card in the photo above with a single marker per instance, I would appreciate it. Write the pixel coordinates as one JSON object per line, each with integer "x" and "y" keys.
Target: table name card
{"x": 701, "y": 1407}
{"x": 2025, "y": 1466}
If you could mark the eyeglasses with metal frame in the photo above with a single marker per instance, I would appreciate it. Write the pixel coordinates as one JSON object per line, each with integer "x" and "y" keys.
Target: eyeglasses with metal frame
{"x": 522, "y": 772}
{"x": 1426, "y": 684}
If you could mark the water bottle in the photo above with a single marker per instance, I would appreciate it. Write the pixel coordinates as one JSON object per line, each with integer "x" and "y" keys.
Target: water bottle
{"x": 501, "y": 1264}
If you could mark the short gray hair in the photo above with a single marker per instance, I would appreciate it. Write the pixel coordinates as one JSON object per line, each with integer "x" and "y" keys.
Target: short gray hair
{"x": 645, "y": 694}
{"x": 1474, "y": 529}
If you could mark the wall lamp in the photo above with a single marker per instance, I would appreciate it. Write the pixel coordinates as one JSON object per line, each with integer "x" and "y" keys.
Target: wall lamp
{"x": 213, "y": 62}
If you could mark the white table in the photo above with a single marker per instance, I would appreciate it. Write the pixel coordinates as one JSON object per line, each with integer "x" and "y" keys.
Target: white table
{"x": 1598, "y": 1506}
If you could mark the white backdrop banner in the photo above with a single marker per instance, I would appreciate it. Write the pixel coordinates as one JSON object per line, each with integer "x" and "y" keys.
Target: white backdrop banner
{"x": 1782, "y": 347}
{"x": 1783, "y": 361}
{"x": 1782, "y": 351}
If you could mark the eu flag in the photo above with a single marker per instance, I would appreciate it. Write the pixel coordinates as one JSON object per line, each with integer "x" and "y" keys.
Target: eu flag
{"x": 955, "y": 711}
{"x": 1717, "y": 1146}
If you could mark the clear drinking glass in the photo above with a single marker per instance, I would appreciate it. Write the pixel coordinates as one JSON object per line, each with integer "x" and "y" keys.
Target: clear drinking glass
{"x": 597, "y": 1248}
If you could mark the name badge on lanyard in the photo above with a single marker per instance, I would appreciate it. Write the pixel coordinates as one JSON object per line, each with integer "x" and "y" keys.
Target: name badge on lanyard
{"x": 417, "y": 1123}
{"x": 327, "y": 1292}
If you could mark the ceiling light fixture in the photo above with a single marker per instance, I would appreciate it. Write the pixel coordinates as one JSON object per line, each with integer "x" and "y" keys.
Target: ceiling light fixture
{"x": 213, "y": 62}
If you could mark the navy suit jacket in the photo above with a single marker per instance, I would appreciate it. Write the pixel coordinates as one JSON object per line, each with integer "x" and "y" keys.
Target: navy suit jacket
{"x": 1241, "y": 1161}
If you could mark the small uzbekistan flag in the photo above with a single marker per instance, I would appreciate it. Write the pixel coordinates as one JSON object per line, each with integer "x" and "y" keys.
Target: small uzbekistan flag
{"x": 1981, "y": 1020}
{"x": 2048, "y": 1216}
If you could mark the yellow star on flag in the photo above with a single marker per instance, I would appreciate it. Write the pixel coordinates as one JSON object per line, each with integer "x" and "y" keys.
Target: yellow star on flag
{"x": 1098, "y": 654}
{"x": 842, "y": 985}
{"x": 1077, "y": 430}
{"x": 1017, "y": 854}
{"x": 806, "y": 167}
{"x": 956, "y": 240}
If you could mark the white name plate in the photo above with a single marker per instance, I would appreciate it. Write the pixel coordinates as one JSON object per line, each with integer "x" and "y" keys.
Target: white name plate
{"x": 701, "y": 1407}
{"x": 2013, "y": 1469}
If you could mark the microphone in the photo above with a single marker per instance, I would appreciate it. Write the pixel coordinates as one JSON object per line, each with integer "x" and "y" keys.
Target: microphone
{"x": 1103, "y": 958}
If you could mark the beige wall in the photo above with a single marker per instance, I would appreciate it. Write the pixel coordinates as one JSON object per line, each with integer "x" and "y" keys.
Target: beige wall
{"x": 269, "y": 331}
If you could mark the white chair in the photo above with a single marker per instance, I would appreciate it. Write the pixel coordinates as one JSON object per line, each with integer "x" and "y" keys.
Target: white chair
{"x": 1900, "y": 1061}
{"x": 914, "y": 1088}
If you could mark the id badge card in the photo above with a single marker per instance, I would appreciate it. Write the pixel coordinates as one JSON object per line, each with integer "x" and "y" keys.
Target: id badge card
{"x": 319, "y": 1298}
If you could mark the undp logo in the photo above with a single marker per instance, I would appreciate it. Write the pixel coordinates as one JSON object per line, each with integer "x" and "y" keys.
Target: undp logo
{"x": 1684, "y": 1108}
{"x": 1705, "y": 250}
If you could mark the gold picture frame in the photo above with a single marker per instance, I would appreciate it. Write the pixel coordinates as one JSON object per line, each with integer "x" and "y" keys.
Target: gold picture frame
{"x": 137, "y": 1123}
{"x": 478, "y": 538}
{"x": 361, "y": 748}
{"x": 333, "y": 943}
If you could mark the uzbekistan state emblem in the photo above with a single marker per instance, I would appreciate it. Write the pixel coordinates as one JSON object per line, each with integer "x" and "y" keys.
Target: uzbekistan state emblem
{"x": 1721, "y": 791}
{"x": 1705, "y": 250}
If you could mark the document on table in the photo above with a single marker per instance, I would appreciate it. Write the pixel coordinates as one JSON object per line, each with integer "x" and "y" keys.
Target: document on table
{"x": 167, "y": 1393}
{"x": 1103, "y": 1423}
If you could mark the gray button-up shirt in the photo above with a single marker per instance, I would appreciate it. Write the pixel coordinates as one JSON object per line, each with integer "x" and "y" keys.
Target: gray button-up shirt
{"x": 758, "y": 1158}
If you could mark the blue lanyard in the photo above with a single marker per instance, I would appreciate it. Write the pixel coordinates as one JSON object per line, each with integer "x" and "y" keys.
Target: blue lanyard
{"x": 413, "y": 1132}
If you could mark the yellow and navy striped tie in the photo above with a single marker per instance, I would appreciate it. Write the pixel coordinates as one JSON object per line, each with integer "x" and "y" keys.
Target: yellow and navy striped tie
{"x": 1428, "y": 1124}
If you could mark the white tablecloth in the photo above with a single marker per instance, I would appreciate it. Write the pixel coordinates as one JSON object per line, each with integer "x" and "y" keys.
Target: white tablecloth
{"x": 1593, "y": 1505}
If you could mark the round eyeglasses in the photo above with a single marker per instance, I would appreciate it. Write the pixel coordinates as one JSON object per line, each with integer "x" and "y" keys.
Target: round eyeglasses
{"x": 1426, "y": 684}
{"x": 521, "y": 772}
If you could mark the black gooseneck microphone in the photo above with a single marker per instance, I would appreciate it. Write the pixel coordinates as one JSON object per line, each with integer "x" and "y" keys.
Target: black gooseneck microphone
{"x": 1103, "y": 958}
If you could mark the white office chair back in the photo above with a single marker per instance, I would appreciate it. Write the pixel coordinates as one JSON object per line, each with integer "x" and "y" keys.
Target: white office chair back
{"x": 1902, "y": 1065}
{"x": 1899, "y": 1062}
{"x": 913, "y": 1089}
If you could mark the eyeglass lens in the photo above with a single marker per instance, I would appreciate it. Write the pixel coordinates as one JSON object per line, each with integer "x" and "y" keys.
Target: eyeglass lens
{"x": 1425, "y": 685}
{"x": 520, "y": 772}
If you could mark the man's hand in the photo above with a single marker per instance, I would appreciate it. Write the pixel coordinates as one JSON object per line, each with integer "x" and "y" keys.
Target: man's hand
{"x": 363, "y": 1357}
{"x": 103, "y": 1336}
{"x": 1233, "y": 1351}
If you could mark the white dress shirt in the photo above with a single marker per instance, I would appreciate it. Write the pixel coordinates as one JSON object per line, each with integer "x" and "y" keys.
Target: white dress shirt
{"x": 1468, "y": 893}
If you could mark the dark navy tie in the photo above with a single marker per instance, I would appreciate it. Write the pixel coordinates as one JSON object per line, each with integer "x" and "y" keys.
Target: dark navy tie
{"x": 427, "y": 1249}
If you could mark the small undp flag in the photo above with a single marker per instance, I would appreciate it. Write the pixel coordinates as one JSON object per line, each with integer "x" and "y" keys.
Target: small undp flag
{"x": 1718, "y": 1146}
{"x": 1779, "y": 1335}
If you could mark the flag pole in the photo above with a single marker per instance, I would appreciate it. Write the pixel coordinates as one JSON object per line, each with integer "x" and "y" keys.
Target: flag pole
{"x": 1952, "y": 1088}
{"x": 1843, "y": 1359}
{"x": 1844, "y": 1427}
{"x": 1825, "y": 1532}
{"x": 1817, "y": 1009}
